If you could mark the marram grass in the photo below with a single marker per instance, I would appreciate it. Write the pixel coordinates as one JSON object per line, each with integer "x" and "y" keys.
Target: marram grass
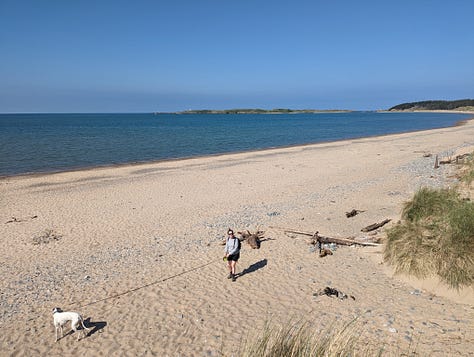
{"x": 435, "y": 237}
{"x": 302, "y": 340}
{"x": 467, "y": 175}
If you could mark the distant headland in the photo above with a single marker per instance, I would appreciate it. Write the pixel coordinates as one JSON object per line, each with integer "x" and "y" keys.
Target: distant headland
{"x": 462, "y": 105}
{"x": 465, "y": 105}
{"x": 260, "y": 111}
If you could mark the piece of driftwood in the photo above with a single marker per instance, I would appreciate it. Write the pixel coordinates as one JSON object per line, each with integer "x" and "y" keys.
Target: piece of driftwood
{"x": 353, "y": 213}
{"x": 328, "y": 291}
{"x": 323, "y": 239}
{"x": 253, "y": 239}
{"x": 436, "y": 164}
{"x": 450, "y": 160}
{"x": 375, "y": 225}
{"x": 14, "y": 219}
{"x": 325, "y": 251}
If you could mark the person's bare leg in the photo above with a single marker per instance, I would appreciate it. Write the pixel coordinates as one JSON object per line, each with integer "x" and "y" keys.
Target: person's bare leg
{"x": 232, "y": 264}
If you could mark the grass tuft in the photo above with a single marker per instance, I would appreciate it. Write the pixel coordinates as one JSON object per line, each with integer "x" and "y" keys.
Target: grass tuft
{"x": 467, "y": 175}
{"x": 436, "y": 237}
{"x": 301, "y": 340}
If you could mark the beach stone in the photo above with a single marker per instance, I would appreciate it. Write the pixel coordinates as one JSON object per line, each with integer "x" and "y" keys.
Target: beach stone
{"x": 272, "y": 214}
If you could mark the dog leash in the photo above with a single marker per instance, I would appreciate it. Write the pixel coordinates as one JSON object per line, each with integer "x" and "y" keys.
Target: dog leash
{"x": 144, "y": 286}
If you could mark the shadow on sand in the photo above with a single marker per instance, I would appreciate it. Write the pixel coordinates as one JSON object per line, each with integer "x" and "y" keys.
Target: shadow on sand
{"x": 254, "y": 267}
{"x": 94, "y": 326}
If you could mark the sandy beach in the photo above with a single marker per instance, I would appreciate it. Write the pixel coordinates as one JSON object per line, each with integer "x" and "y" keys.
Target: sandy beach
{"x": 137, "y": 251}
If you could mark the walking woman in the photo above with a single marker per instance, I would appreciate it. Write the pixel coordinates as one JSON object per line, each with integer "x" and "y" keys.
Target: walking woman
{"x": 232, "y": 253}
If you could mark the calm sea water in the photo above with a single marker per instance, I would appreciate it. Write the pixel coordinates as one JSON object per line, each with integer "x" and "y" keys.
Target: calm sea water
{"x": 57, "y": 142}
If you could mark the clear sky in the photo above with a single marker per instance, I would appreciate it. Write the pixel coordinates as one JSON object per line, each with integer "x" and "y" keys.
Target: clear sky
{"x": 169, "y": 55}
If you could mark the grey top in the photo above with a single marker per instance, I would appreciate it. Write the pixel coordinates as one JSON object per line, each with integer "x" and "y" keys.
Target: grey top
{"x": 232, "y": 246}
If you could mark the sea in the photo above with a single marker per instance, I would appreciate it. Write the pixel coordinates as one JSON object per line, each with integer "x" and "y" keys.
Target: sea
{"x": 44, "y": 143}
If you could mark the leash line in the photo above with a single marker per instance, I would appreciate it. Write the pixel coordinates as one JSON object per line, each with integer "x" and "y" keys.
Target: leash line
{"x": 145, "y": 286}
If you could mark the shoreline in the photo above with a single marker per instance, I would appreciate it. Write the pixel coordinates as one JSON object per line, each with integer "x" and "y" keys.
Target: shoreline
{"x": 138, "y": 163}
{"x": 136, "y": 249}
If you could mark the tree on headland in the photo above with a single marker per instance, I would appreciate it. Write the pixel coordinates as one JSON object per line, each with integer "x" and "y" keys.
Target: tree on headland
{"x": 435, "y": 105}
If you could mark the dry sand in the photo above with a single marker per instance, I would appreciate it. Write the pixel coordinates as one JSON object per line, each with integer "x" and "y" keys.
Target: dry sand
{"x": 136, "y": 250}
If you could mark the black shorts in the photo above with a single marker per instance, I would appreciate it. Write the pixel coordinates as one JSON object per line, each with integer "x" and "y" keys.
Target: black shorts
{"x": 234, "y": 257}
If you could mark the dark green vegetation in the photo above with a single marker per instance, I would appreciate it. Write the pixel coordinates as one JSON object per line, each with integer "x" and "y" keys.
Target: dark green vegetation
{"x": 259, "y": 111}
{"x": 435, "y": 237}
{"x": 462, "y": 104}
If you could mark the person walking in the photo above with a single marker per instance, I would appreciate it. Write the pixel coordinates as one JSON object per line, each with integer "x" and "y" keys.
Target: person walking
{"x": 232, "y": 253}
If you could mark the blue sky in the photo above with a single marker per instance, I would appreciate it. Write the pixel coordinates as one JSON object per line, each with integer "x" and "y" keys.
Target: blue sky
{"x": 143, "y": 56}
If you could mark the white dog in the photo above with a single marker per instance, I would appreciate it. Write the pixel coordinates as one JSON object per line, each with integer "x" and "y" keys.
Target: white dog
{"x": 61, "y": 318}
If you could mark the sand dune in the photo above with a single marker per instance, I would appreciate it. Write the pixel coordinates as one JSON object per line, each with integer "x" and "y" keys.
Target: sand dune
{"x": 136, "y": 249}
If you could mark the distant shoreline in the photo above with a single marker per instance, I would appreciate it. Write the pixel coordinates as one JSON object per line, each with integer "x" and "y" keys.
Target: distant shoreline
{"x": 260, "y": 111}
{"x": 310, "y": 111}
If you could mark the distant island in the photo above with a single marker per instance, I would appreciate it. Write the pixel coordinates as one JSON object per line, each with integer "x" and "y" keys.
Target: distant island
{"x": 460, "y": 105}
{"x": 260, "y": 111}
{"x": 466, "y": 105}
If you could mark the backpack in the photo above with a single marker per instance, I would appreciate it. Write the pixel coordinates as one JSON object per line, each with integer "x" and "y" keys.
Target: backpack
{"x": 239, "y": 244}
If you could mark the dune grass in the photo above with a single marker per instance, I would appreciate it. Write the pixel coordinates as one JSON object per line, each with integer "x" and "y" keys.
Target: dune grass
{"x": 467, "y": 174}
{"x": 435, "y": 237}
{"x": 298, "y": 340}
{"x": 301, "y": 340}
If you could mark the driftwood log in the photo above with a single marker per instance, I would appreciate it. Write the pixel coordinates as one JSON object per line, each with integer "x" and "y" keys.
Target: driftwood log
{"x": 253, "y": 239}
{"x": 316, "y": 237}
{"x": 14, "y": 219}
{"x": 456, "y": 160}
{"x": 353, "y": 213}
{"x": 324, "y": 251}
{"x": 328, "y": 291}
{"x": 375, "y": 225}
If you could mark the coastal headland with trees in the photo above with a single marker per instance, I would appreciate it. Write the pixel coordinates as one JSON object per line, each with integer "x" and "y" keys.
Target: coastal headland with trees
{"x": 452, "y": 105}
